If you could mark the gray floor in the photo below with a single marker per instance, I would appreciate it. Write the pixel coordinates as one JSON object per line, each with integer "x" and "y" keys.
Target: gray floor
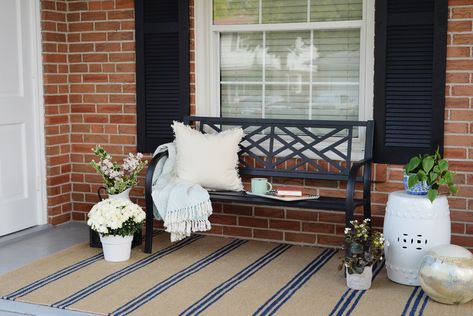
{"x": 22, "y": 248}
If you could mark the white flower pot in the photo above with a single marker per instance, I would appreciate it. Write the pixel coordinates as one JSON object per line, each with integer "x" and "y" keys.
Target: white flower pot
{"x": 116, "y": 248}
{"x": 361, "y": 281}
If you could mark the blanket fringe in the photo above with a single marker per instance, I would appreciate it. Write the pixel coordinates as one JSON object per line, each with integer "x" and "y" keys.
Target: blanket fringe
{"x": 183, "y": 222}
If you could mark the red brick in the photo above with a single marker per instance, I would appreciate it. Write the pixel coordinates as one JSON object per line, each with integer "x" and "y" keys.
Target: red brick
{"x": 253, "y": 222}
{"x": 124, "y": 4}
{"x": 77, "y": 6}
{"x": 462, "y": 12}
{"x": 460, "y": 64}
{"x": 56, "y": 220}
{"x": 93, "y": 16}
{"x": 285, "y": 225}
{"x": 318, "y": 228}
{"x": 302, "y": 215}
{"x": 267, "y": 234}
{"x": 80, "y": 26}
{"x": 130, "y": 119}
{"x": 95, "y": 78}
{"x": 238, "y": 209}
{"x": 300, "y": 238}
{"x": 81, "y": 48}
{"x": 223, "y": 219}
{"x": 269, "y": 212}
{"x": 107, "y": 26}
{"x": 237, "y": 231}
{"x": 332, "y": 217}
{"x": 120, "y": 36}
{"x": 330, "y": 240}
{"x": 121, "y": 15}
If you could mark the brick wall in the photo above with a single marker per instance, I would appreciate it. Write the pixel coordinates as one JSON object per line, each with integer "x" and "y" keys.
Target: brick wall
{"x": 95, "y": 91}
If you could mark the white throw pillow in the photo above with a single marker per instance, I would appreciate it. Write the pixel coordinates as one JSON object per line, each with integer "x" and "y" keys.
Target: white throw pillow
{"x": 210, "y": 160}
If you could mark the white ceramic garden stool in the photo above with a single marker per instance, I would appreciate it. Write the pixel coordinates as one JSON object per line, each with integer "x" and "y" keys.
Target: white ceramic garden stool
{"x": 412, "y": 226}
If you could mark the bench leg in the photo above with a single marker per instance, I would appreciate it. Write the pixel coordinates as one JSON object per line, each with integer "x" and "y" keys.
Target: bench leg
{"x": 149, "y": 226}
{"x": 149, "y": 235}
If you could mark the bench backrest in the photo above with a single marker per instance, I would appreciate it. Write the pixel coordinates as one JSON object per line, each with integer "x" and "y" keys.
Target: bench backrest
{"x": 309, "y": 149}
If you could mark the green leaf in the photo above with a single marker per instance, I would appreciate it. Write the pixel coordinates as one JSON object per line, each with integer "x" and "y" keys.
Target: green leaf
{"x": 436, "y": 169}
{"x": 432, "y": 194}
{"x": 453, "y": 188}
{"x": 443, "y": 164}
{"x": 412, "y": 181}
{"x": 433, "y": 176}
{"x": 421, "y": 175}
{"x": 412, "y": 164}
{"x": 427, "y": 164}
{"x": 448, "y": 177}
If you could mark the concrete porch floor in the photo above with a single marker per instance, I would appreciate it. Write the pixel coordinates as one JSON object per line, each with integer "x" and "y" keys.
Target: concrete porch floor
{"x": 21, "y": 248}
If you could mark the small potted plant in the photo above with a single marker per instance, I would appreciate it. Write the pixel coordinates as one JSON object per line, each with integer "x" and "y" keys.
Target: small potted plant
{"x": 425, "y": 174}
{"x": 116, "y": 220}
{"x": 364, "y": 247}
{"x": 118, "y": 179}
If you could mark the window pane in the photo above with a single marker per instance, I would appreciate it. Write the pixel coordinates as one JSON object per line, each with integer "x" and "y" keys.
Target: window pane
{"x": 241, "y": 100}
{"x": 298, "y": 81}
{"x": 335, "y": 10}
{"x": 241, "y": 56}
{"x": 288, "y": 56}
{"x": 235, "y": 11}
{"x": 284, "y": 11}
{"x": 336, "y": 74}
{"x": 289, "y": 101}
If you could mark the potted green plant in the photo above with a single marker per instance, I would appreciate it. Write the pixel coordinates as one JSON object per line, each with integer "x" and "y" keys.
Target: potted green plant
{"x": 363, "y": 248}
{"x": 425, "y": 174}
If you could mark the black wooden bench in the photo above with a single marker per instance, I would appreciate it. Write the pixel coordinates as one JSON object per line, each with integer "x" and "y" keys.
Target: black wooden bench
{"x": 304, "y": 149}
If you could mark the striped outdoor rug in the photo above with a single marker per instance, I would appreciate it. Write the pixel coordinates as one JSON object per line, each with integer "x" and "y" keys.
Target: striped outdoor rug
{"x": 212, "y": 276}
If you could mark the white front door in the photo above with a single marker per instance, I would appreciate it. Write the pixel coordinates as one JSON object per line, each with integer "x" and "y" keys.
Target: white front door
{"x": 20, "y": 176}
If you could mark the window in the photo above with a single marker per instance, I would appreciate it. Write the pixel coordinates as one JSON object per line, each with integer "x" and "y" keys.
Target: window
{"x": 298, "y": 59}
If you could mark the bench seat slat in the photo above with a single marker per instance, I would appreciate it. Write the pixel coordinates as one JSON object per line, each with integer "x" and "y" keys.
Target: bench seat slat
{"x": 322, "y": 203}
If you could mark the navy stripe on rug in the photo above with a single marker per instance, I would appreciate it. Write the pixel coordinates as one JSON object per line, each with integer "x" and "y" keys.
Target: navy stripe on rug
{"x": 424, "y": 304}
{"x": 416, "y": 292}
{"x": 162, "y": 286}
{"x": 57, "y": 275}
{"x": 421, "y": 296}
{"x": 52, "y": 277}
{"x": 287, "y": 291}
{"x": 94, "y": 287}
{"x": 352, "y": 295}
{"x": 211, "y": 297}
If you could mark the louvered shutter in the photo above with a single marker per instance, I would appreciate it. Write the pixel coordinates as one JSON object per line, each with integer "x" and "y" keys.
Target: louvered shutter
{"x": 410, "y": 48}
{"x": 162, "y": 69}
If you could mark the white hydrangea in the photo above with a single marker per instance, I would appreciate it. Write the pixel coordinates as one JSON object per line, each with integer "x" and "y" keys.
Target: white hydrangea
{"x": 110, "y": 214}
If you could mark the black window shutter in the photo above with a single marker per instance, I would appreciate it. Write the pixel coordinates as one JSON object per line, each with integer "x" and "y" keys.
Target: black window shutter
{"x": 409, "y": 79}
{"x": 162, "y": 69}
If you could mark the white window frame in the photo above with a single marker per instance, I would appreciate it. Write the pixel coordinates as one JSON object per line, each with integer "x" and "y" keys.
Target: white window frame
{"x": 207, "y": 58}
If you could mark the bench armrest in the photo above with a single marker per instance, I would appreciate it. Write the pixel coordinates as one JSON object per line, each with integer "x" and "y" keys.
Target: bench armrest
{"x": 366, "y": 163}
{"x": 149, "y": 200}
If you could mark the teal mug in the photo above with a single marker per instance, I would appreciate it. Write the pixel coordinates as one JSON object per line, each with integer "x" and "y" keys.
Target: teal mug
{"x": 260, "y": 185}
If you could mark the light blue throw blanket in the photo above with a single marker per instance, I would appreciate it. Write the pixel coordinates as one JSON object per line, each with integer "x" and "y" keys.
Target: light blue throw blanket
{"x": 183, "y": 206}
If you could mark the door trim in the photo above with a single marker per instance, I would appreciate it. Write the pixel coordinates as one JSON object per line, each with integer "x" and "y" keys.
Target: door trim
{"x": 39, "y": 115}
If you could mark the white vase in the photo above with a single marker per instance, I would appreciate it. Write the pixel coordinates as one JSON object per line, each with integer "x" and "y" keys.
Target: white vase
{"x": 116, "y": 248}
{"x": 123, "y": 195}
{"x": 361, "y": 281}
